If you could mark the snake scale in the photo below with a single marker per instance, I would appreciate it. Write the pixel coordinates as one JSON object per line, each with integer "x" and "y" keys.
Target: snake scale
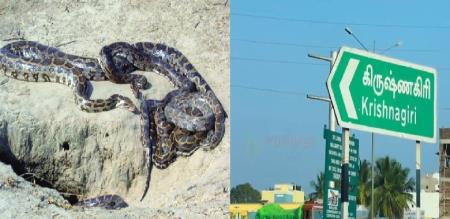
{"x": 188, "y": 118}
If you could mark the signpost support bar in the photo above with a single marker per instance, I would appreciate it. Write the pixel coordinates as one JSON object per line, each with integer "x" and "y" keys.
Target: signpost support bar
{"x": 372, "y": 176}
{"x": 332, "y": 119}
{"x": 418, "y": 179}
{"x": 344, "y": 176}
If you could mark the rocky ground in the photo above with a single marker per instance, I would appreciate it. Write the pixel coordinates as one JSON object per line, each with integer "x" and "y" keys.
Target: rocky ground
{"x": 42, "y": 132}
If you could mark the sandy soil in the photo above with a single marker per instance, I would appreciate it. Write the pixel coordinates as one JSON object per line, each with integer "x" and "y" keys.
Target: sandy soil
{"x": 194, "y": 187}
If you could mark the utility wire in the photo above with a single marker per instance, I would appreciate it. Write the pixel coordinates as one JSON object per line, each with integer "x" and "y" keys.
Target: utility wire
{"x": 276, "y": 61}
{"x": 442, "y": 68}
{"x": 283, "y": 43}
{"x": 340, "y": 22}
{"x": 274, "y": 43}
{"x": 296, "y": 93}
{"x": 269, "y": 90}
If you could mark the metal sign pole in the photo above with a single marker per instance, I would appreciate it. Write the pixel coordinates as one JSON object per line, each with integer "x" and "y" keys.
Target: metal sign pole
{"x": 372, "y": 175}
{"x": 332, "y": 119}
{"x": 418, "y": 179}
{"x": 344, "y": 173}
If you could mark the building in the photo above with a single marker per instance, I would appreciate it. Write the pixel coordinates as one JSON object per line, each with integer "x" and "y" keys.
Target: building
{"x": 288, "y": 196}
{"x": 430, "y": 182}
{"x": 444, "y": 173}
{"x": 429, "y": 205}
{"x": 283, "y": 193}
{"x": 244, "y": 210}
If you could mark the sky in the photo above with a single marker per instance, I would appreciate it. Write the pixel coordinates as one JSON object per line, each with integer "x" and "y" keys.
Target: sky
{"x": 276, "y": 132}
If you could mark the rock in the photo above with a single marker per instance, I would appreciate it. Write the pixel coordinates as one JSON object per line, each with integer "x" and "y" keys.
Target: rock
{"x": 42, "y": 132}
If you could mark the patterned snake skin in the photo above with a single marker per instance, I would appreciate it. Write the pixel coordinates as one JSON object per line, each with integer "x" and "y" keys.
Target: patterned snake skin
{"x": 180, "y": 63}
{"x": 31, "y": 61}
{"x": 104, "y": 201}
{"x": 166, "y": 140}
{"x": 187, "y": 118}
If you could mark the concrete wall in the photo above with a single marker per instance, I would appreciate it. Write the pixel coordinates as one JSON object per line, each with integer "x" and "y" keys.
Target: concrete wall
{"x": 429, "y": 204}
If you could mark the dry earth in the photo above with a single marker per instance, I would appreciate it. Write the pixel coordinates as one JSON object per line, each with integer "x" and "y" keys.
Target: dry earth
{"x": 90, "y": 154}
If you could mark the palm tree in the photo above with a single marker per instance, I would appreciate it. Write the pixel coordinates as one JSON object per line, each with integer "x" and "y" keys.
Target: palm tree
{"x": 365, "y": 183}
{"x": 318, "y": 187}
{"x": 392, "y": 185}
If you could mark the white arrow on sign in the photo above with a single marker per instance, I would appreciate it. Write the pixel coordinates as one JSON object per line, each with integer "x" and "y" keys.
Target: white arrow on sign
{"x": 345, "y": 87}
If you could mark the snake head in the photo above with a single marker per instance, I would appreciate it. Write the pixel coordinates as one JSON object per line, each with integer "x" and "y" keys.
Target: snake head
{"x": 142, "y": 83}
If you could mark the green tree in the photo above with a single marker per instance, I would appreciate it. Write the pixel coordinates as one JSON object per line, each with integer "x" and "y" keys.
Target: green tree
{"x": 365, "y": 183}
{"x": 244, "y": 193}
{"x": 392, "y": 185}
{"x": 318, "y": 187}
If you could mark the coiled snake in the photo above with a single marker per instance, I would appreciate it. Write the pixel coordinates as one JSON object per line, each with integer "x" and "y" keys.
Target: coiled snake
{"x": 188, "y": 118}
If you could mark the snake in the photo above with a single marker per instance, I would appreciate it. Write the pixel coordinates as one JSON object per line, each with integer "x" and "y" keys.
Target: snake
{"x": 166, "y": 141}
{"x": 187, "y": 118}
{"x": 118, "y": 58}
{"x": 32, "y": 61}
{"x": 181, "y": 64}
{"x": 109, "y": 201}
{"x": 171, "y": 135}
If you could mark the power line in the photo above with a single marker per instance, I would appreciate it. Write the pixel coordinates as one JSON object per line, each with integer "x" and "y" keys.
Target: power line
{"x": 275, "y": 61}
{"x": 274, "y": 43}
{"x": 444, "y": 68}
{"x": 296, "y": 93}
{"x": 269, "y": 90}
{"x": 283, "y": 44}
{"x": 340, "y": 22}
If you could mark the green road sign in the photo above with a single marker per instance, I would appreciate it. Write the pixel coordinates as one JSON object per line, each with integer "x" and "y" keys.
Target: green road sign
{"x": 332, "y": 177}
{"x": 374, "y": 93}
